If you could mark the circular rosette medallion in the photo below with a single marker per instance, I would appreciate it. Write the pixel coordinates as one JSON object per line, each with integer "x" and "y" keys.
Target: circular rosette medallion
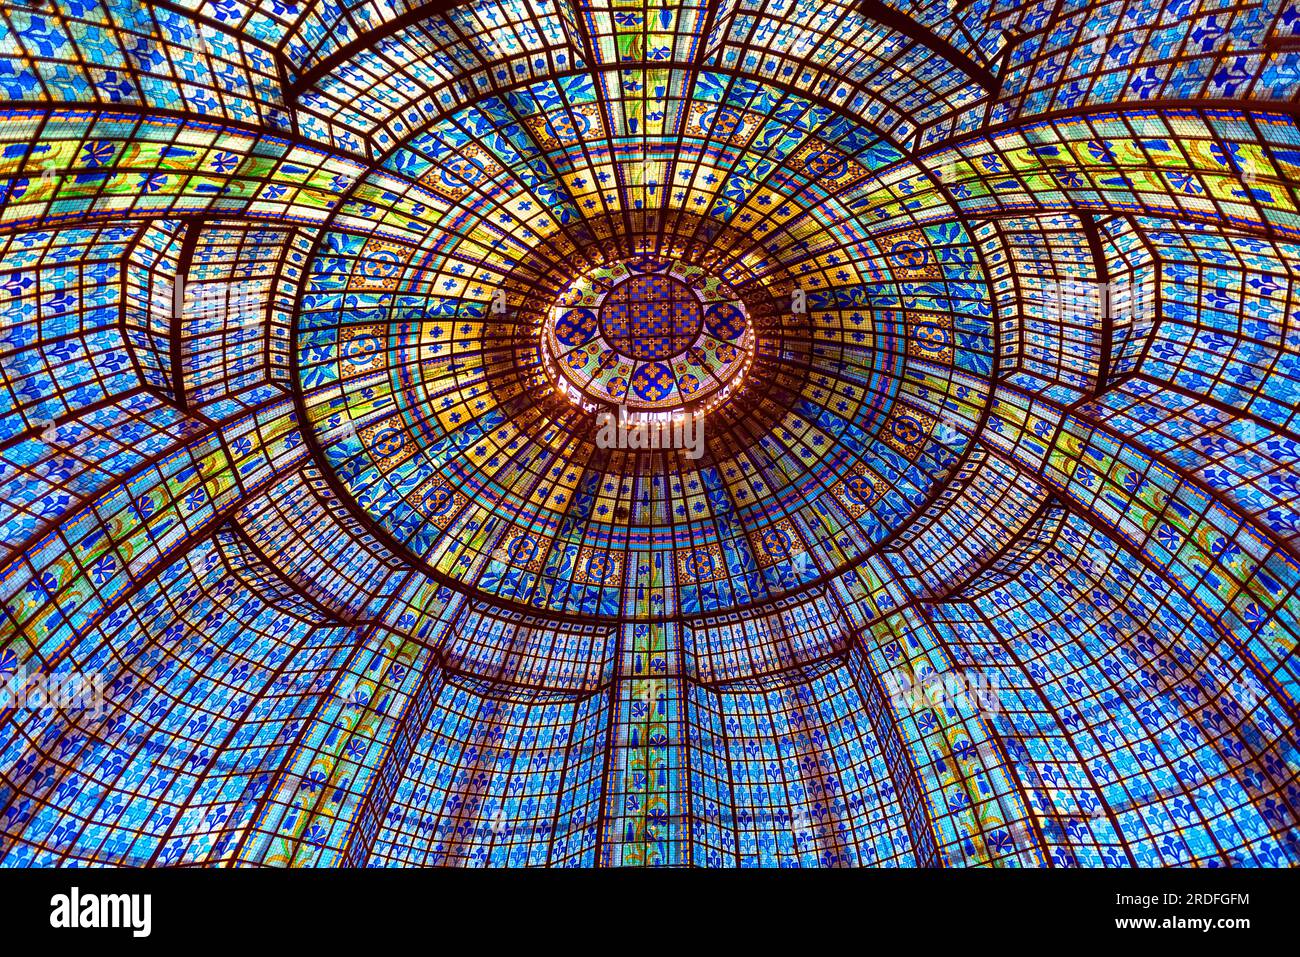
{"x": 652, "y": 335}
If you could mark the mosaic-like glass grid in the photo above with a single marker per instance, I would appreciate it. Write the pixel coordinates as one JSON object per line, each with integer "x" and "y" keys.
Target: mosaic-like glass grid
{"x": 991, "y": 554}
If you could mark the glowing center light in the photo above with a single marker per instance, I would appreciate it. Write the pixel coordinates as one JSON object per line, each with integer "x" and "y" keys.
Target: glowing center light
{"x": 651, "y": 335}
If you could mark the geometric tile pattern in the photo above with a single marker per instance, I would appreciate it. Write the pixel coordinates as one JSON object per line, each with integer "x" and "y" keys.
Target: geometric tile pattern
{"x": 650, "y": 317}
{"x": 649, "y": 334}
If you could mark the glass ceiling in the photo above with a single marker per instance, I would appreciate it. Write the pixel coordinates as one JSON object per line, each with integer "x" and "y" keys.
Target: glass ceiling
{"x": 986, "y": 316}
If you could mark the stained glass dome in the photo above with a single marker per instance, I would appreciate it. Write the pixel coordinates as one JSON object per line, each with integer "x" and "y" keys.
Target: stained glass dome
{"x": 959, "y": 524}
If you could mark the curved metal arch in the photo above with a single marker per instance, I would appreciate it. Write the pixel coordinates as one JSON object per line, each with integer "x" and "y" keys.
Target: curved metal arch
{"x": 876, "y": 10}
{"x": 886, "y": 15}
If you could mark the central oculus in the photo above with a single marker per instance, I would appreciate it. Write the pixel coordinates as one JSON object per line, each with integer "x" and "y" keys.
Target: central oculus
{"x": 653, "y": 335}
{"x": 651, "y": 317}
